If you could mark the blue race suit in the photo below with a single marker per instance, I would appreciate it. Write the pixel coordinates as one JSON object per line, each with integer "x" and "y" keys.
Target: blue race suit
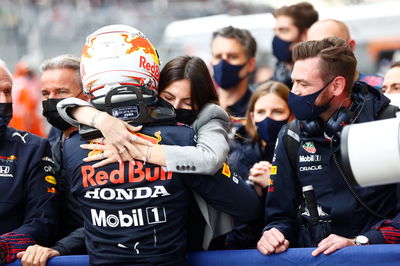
{"x": 315, "y": 166}
{"x": 28, "y": 201}
{"x": 136, "y": 214}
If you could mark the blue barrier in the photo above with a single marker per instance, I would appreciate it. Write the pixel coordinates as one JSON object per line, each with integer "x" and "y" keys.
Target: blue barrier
{"x": 358, "y": 255}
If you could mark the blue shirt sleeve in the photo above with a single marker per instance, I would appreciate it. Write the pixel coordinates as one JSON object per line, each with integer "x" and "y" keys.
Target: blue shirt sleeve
{"x": 227, "y": 192}
{"x": 281, "y": 204}
{"x": 40, "y": 199}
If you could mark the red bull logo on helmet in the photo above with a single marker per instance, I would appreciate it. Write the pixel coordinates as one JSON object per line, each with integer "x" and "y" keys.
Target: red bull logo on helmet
{"x": 153, "y": 68}
{"x": 139, "y": 42}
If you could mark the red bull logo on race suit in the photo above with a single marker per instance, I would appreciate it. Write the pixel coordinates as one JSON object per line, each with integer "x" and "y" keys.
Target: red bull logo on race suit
{"x": 92, "y": 177}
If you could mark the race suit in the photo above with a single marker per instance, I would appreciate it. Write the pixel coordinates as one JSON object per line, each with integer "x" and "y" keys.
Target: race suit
{"x": 136, "y": 213}
{"x": 338, "y": 209}
{"x": 28, "y": 202}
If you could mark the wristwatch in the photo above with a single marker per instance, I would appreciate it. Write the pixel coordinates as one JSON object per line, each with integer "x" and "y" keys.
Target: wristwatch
{"x": 361, "y": 240}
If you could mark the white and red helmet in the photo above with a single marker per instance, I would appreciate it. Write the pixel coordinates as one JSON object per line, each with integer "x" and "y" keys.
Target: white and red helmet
{"x": 118, "y": 55}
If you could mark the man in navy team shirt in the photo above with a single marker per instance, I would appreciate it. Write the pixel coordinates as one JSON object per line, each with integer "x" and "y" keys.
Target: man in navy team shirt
{"x": 28, "y": 200}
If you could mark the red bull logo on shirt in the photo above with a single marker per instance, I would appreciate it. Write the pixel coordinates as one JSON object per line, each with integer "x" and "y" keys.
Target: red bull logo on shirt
{"x": 136, "y": 173}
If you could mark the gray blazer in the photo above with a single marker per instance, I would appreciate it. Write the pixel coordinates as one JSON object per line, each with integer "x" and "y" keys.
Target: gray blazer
{"x": 211, "y": 151}
{"x": 211, "y": 127}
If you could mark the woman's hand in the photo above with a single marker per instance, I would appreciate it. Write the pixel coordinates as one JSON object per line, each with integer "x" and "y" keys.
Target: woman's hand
{"x": 259, "y": 175}
{"x": 122, "y": 143}
{"x": 107, "y": 153}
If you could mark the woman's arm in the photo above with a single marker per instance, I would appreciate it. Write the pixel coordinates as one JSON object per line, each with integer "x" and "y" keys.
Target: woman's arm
{"x": 117, "y": 132}
{"x": 212, "y": 147}
{"x": 206, "y": 158}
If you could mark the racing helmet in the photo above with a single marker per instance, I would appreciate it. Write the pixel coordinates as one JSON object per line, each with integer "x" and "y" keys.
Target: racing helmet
{"x": 118, "y": 55}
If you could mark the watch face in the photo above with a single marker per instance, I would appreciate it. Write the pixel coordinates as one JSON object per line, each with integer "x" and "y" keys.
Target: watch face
{"x": 362, "y": 240}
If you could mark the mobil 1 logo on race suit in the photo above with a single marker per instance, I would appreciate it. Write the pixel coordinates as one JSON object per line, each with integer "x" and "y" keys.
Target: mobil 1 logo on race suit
{"x": 132, "y": 208}
{"x": 313, "y": 164}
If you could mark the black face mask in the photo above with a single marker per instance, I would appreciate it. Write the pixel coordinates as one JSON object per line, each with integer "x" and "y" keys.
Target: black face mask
{"x": 5, "y": 115}
{"x": 185, "y": 116}
{"x": 52, "y": 116}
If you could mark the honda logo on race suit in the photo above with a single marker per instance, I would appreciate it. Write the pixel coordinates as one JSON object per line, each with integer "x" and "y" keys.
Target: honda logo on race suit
{"x": 4, "y": 169}
{"x": 127, "y": 194}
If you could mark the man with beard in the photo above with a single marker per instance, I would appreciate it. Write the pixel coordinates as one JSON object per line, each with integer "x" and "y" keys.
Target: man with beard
{"x": 324, "y": 98}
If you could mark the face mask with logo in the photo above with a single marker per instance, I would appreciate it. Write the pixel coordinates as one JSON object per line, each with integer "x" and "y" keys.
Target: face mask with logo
{"x": 5, "y": 115}
{"x": 280, "y": 49}
{"x": 185, "y": 116}
{"x": 51, "y": 114}
{"x": 303, "y": 107}
{"x": 268, "y": 129}
{"x": 227, "y": 75}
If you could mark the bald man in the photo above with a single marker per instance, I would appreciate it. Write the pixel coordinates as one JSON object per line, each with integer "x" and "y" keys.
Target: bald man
{"x": 329, "y": 28}
{"x": 391, "y": 83}
{"x": 335, "y": 28}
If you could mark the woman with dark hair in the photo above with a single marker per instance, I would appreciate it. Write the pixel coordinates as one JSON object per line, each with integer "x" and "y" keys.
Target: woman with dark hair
{"x": 187, "y": 75}
{"x": 185, "y": 83}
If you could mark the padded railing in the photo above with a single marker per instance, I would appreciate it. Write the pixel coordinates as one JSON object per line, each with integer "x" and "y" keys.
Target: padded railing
{"x": 357, "y": 255}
